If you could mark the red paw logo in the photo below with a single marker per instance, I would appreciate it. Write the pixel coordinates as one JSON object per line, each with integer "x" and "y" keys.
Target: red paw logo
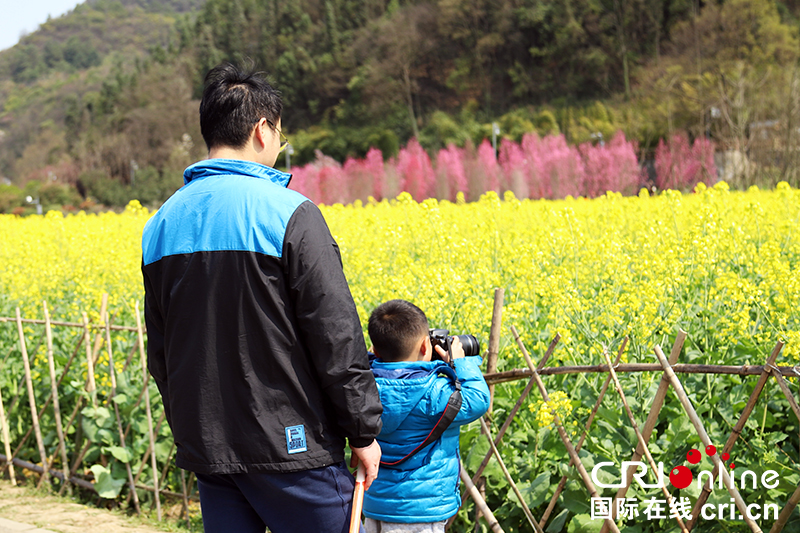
{"x": 681, "y": 477}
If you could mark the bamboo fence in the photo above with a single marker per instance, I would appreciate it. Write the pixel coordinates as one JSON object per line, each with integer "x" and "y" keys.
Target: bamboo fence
{"x": 60, "y": 460}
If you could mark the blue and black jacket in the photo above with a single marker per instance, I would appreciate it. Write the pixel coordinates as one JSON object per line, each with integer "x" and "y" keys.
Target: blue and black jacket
{"x": 253, "y": 337}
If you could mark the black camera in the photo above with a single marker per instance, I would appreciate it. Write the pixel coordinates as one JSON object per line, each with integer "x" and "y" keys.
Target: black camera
{"x": 442, "y": 337}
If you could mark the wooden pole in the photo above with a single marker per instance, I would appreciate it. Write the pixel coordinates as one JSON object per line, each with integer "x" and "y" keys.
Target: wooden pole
{"x": 112, "y": 372}
{"x": 50, "y": 399}
{"x": 563, "y": 482}
{"x": 480, "y": 503}
{"x": 786, "y": 391}
{"x": 31, "y": 396}
{"x": 639, "y": 437}
{"x": 786, "y": 512}
{"x": 737, "y": 430}
{"x": 143, "y": 357}
{"x": 701, "y": 432}
{"x": 67, "y": 324}
{"x": 90, "y": 387}
{"x": 54, "y": 395}
{"x": 510, "y": 480}
{"x": 515, "y": 409}
{"x": 744, "y": 370}
{"x": 7, "y": 443}
{"x": 147, "y": 453}
{"x": 561, "y": 431}
{"x": 507, "y": 423}
{"x": 652, "y": 419}
{"x": 185, "y": 497}
{"x": 494, "y": 341}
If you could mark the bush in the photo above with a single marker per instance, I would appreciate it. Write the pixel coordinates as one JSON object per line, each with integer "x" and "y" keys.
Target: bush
{"x": 10, "y": 197}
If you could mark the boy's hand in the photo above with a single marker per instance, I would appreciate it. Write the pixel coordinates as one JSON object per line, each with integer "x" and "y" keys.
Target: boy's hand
{"x": 370, "y": 456}
{"x": 455, "y": 348}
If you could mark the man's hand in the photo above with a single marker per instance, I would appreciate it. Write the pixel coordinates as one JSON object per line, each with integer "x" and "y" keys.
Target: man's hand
{"x": 455, "y": 348}
{"x": 370, "y": 457}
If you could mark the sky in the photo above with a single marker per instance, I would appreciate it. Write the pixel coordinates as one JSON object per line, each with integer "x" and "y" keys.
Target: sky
{"x": 24, "y": 16}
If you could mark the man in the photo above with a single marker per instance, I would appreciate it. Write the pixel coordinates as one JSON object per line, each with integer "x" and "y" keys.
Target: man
{"x": 253, "y": 337}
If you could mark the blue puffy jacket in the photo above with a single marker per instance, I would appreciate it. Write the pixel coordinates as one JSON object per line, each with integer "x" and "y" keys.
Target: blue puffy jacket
{"x": 424, "y": 488}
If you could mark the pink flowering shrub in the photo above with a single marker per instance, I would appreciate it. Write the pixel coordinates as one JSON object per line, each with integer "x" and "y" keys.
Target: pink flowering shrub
{"x": 415, "y": 171}
{"x": 545, "y": 167}
{"x": 365, "y": 177}
{"x": 612, "y": 167}
{"x": 451, "y": 176}
{"x": 558, "y": 169}
{"x": 487, "y": 167}
{"x": 514, "y": 169}
{"x": 681, "y": 166}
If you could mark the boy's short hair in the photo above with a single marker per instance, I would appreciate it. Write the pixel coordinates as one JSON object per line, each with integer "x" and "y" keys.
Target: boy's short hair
{"x": 395, "y": 327}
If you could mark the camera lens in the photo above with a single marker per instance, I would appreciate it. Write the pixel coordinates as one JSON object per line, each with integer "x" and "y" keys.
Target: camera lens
{"x": 470, "y": 344}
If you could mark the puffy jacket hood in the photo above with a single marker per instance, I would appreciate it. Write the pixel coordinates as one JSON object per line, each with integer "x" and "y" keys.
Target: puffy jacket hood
{"x": 405, "y": 384}
{"x": 222, "y": 167}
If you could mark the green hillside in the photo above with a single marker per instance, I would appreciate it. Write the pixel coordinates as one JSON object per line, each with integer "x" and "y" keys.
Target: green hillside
{"x": 102, "y": 102}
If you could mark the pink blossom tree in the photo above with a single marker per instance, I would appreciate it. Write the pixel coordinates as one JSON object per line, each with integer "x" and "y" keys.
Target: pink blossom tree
{"x": 415, "y": 171}
{"x": 610, "y": 167}
{"x": 681, "y": 166}
{"x": 450, "y": 173}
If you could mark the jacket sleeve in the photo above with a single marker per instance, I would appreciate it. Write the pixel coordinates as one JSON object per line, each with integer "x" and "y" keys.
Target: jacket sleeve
{"x": 474, "y": 392}
{"x": 156, "y": 356}
{"x": 329, "y": 326}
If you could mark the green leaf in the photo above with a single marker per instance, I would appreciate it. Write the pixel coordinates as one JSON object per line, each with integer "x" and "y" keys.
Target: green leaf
{"x": 537, "y": 492}
{"x": 120, "y": 399}
{"x": 119, "y": 453}
{"x": 106, "y": 485}
{"x": 583, "y": 523}
{"x": 557, "y": 524}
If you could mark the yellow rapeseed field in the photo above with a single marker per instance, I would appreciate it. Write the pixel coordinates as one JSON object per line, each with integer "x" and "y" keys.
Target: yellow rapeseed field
{"x": 719, "y": 263}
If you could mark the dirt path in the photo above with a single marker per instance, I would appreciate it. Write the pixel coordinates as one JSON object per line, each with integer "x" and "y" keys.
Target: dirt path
{"x": 64, "y": 516}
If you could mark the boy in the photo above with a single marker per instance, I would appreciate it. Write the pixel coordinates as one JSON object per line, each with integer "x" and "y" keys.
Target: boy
{"x": 420, "y": 493}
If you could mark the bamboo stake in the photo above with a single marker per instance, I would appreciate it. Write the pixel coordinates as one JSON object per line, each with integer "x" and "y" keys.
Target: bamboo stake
{"x": 786, "y": 512}
{"x": 744, "y": 370}
{"x": 737, "y": 430}
{"x": 701, "y": 432}
{"x": 185, "y": 497}
{"x": 510, "y": 418}
{"x": 31, "y": 396}
{"x": 786, "y": 392}
{"x": 90, "y": 388}
{"x": 49, "y": 399}
{"x": 79, "y": 458}
{"x": 494, "y": 341}
{"x": 480, "y": 503}
{"x": 561, "y": 431}
{"x": 112, "y": 371}
{"x": 167, "y": 464}
{"x": 54, "y": 396}
{"x": 510, "y": 480}
{"x": 652, "y": 420}
{"x": 67, "y": 324}
{"x": 515, "y": 409}
{"x": 639, "y": 437}
{"x": 146, "y": 456}
{"x": 149, "y": 413}
{"x": 27, "y": 465}
{"x": 563, "y": 482}
{"x": 7, "y": 443}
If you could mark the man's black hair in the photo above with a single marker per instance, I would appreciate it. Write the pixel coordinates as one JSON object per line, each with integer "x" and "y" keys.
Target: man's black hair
{"x": 234, "y": 100}
{"x": 395, "y": 327}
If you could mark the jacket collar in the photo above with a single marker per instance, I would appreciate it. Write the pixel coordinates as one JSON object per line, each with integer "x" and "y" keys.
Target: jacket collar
{"x": 222, "y": 167}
